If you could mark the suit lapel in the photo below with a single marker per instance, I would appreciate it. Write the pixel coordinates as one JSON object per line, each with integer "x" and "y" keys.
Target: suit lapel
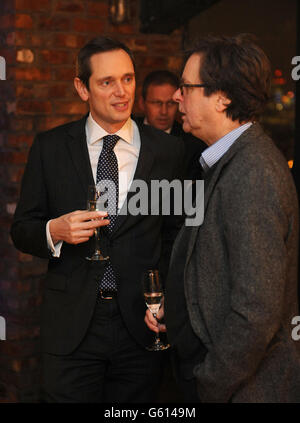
{"x": 143, "y": 171}
{"x": 246, "y": 137}
{"x": 78, "y": 150}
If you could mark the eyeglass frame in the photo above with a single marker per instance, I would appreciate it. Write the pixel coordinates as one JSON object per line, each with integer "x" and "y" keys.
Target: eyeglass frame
{"x": 191, "y": 86}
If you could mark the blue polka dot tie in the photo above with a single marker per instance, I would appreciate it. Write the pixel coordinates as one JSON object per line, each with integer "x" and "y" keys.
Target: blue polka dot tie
{"x": 107, "y": 169}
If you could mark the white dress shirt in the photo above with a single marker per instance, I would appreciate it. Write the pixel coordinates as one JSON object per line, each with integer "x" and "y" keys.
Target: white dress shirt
{"x": 127, "y": 151}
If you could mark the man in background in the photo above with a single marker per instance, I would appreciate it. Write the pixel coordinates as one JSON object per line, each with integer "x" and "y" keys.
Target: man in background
{"x": 157, "y": 102}
{"x": 160, "y": 111}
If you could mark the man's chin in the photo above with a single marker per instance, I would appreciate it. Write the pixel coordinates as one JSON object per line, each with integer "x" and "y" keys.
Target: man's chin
{"x": 120, "y": 117}
{"x": 186, "y": 127}
{"x": 162, "y": 127}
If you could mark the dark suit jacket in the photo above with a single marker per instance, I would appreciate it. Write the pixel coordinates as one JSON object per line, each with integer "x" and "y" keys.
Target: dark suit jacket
{"x": 193, "y": 148}
{"x": 55, "y": 182}
{"x": 240, "y": 277}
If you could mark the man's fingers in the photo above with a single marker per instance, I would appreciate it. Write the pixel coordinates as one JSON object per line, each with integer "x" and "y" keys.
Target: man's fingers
{"x": 80, "y": 240}
{"x": 152, "y": 327}
{"x": 150, "y": 321}
{"x": 86, "y": 225}
{"x": 160, "y": 313}
{"x": 81, "y": 235}
{"x": 69, "y": 227}
{"x": 94, "y": 224}
{"x": 84, "y": 215}
{"x": 162, "y": 327}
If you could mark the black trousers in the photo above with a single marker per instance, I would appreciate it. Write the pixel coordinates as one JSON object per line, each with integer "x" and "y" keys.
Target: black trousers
{"x": 108, "y": 366}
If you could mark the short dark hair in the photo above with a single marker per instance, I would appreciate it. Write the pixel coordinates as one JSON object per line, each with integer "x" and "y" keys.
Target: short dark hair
{"x": 238, "y": 67}
{"x": 159, "y": 77}
{"x": 94, "y": 46}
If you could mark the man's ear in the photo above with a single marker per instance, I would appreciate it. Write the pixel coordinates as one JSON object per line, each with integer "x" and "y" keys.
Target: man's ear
{"x": 142, "y": 103}
{"x": 81, "y": 88}
{"x": 222, "y": 102}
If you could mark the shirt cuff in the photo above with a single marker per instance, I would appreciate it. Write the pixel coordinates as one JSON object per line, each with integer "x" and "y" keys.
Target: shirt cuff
{"x": 55, "y": 249}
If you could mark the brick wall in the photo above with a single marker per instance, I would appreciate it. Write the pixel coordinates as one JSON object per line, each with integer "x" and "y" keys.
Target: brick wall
{"x": 40, "y": 40}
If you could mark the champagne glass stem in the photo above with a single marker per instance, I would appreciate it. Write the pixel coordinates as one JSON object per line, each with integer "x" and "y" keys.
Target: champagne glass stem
{"x": 97, "y": 240}
{"x": 157, "y": 339}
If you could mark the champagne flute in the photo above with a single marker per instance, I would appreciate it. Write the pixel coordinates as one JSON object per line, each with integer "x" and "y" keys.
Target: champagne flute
{"x": 153, "y": 294}
{"x": 95, "y": 203}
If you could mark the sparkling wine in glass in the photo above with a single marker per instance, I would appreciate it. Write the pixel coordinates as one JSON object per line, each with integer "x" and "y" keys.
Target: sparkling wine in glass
{"x": 95, "y": 203}
{"x": 153, "y": 294}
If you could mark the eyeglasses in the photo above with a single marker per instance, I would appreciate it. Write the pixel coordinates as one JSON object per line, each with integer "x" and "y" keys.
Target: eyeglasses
{"x": 191, "y": 86}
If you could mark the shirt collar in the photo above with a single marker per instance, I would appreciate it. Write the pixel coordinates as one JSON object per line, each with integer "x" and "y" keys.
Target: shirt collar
{"x": 96, "y": 133}
{"x": 213, "y": 154}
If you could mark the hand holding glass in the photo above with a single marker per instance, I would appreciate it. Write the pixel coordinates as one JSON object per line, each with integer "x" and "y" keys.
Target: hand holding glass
{"x": 153, "y": 294}
{"x": 95, "y": 203}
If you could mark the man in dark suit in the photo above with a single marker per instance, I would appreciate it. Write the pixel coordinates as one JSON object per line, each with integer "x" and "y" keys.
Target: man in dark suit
{"x": 160, "y": 111}
{"x": 232, "y": 286}
{"x": 93, "y": 332}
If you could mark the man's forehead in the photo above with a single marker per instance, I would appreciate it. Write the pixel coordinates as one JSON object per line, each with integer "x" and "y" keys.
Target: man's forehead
{"x": 163, "y": 85}
{"x": 113, "y": 61}
{"x": 161, "y": 89}
{"x": 192, "y": 68}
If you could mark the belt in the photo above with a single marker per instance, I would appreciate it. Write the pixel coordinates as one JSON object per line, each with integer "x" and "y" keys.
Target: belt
{"x": 107, "y": 295}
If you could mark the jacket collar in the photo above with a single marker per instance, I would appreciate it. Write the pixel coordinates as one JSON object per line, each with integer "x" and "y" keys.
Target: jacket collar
{"x": 78, "y": 150}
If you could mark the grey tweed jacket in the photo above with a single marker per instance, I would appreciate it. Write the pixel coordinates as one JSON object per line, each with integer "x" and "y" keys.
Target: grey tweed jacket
{"x": 241, "y": 277}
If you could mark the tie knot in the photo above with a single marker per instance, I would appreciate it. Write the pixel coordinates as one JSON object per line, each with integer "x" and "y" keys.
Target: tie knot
{"x": 109, "y": 141}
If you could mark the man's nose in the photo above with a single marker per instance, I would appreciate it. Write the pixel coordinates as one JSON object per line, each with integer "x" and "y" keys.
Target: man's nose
{"x": 119, "y": 89}
{"x": 164, "y": 108}
{"x": 177, "y": 96}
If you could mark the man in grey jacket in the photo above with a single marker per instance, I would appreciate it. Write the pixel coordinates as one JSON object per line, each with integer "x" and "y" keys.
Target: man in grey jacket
{"x": 231, "y": 292}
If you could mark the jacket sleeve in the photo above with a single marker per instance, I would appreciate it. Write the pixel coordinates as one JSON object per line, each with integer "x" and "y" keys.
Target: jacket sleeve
{"x": 28, "y": 230}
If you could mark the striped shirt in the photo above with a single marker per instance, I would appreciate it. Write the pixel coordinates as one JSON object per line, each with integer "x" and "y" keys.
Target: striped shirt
{"x": 213, "y": 154}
